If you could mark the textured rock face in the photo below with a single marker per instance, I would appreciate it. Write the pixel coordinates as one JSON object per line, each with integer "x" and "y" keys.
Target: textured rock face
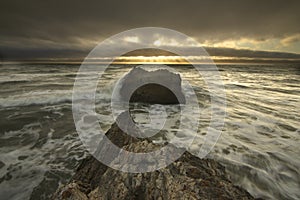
{"x": 187, "y": 178}
{"x": 159, "y": 87}
{"x": 155, "y": 94}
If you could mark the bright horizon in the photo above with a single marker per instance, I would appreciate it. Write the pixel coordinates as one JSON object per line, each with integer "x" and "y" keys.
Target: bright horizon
{"x": 245, "y": 30}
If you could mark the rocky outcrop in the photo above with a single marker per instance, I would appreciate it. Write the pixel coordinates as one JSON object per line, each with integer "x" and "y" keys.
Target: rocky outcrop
{"x": 187, "y": 178}
{"x": 155, "y": 87}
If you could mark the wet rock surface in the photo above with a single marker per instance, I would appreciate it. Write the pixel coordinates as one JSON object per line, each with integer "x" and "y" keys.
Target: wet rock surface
{"x": 189, "y": 177}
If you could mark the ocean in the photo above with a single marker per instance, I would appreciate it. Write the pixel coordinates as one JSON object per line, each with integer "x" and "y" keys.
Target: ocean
{"x": 259, "y": 145}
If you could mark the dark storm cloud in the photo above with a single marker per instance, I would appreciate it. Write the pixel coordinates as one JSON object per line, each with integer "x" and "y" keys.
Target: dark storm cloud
{"x": 73, "y": 24}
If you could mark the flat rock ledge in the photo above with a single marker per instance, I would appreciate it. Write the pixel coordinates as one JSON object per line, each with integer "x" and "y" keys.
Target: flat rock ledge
{"x": 187, "y": 178}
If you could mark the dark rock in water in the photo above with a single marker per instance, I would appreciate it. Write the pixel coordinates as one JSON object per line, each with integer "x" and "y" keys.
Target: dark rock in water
{"x": 48, "y": 185}
{"x": 156, "y": 87}
{"x": 1, "y": 164}
{"x": 187, "y": 178}
{"x": 154, "y": 94}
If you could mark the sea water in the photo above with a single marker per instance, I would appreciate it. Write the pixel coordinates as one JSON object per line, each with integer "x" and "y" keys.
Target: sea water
{"x": 259, "y": 145}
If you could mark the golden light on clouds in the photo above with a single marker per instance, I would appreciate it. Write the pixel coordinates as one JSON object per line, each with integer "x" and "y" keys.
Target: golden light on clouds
{"x": 157, "y": 43}
{"x": 290, "y": 40}
{"x": 133, "y": 39}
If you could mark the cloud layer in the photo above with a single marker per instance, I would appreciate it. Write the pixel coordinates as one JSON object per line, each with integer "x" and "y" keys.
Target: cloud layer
{"x": 79, "y": 25}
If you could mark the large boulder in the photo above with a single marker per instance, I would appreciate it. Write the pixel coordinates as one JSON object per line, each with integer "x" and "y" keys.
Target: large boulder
{"x": 154, "y": 87}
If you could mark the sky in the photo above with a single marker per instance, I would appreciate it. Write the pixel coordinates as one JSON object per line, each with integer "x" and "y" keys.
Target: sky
{"x": 60, "y": 29}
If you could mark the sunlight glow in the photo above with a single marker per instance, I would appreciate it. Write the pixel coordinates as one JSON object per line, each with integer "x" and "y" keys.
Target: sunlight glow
{"x": 133, "y": 39}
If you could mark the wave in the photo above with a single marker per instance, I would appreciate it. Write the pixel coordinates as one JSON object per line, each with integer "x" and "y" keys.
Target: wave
{"x": 46, "y": 97}
{"x": 14, "y": 82}
{"x": 37, "y": 98}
